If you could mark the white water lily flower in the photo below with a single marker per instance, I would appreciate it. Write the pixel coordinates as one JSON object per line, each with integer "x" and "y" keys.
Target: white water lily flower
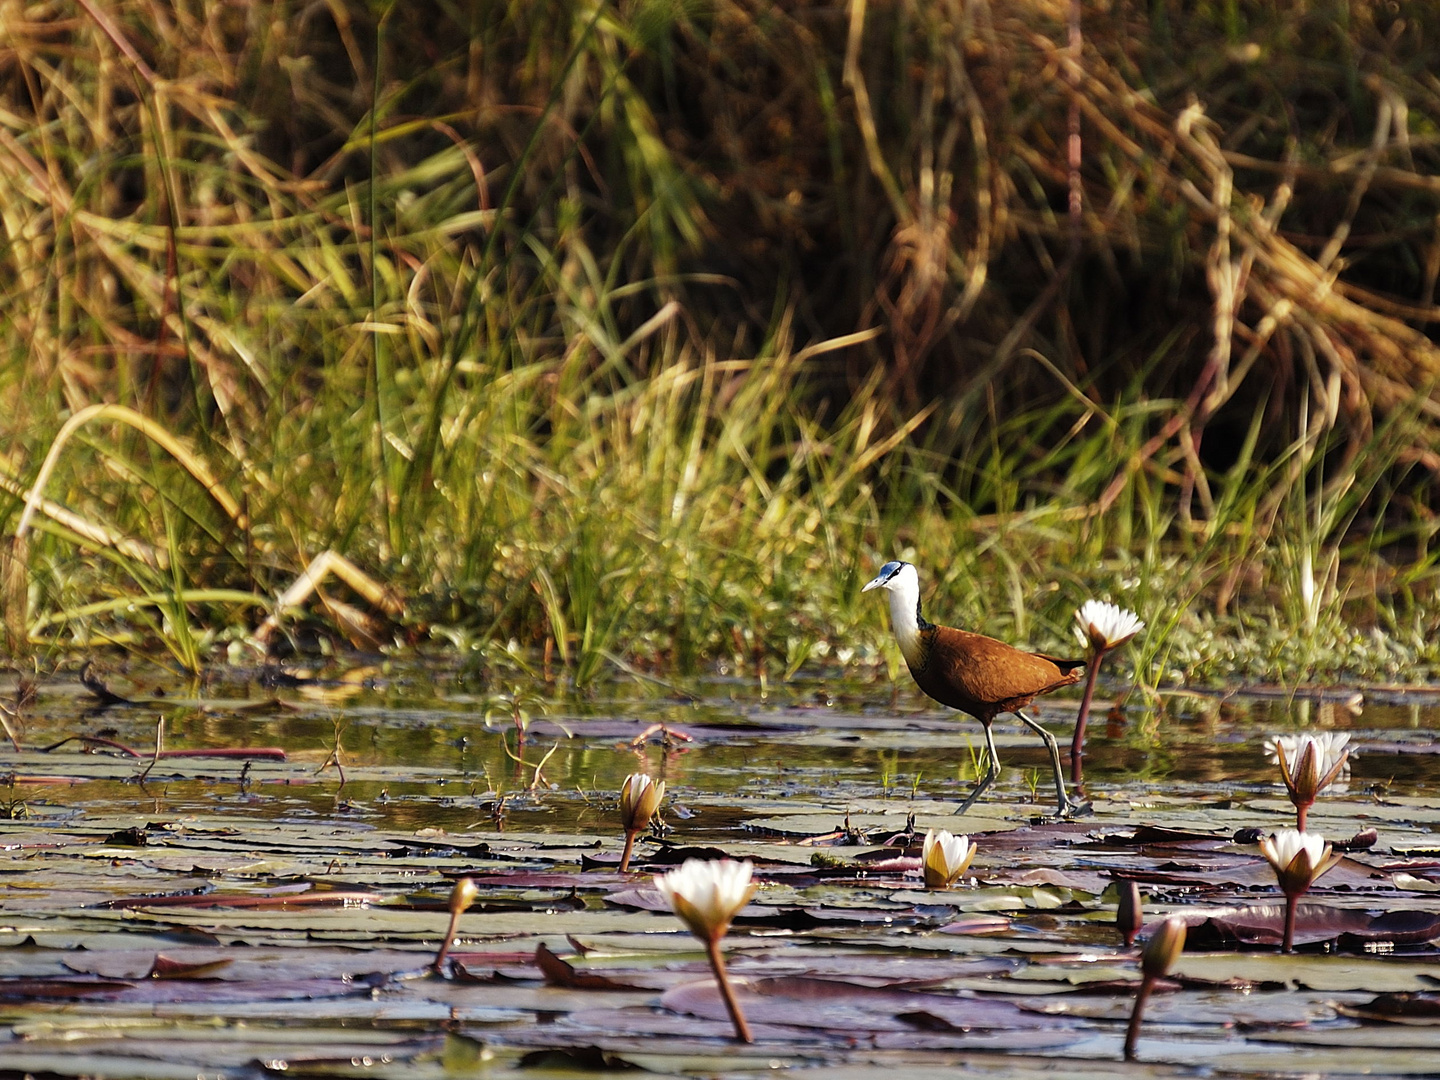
{"x": 945, "y": 858}
{"x": 707, "y": 894}
{"x": 1297, "y": 858}
{"x": 639, "y": 799}
{"x": 1104, "y": 626}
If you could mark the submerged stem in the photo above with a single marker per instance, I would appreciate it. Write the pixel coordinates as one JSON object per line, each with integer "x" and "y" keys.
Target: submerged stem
{"x": 717, "y": 964}
{"x": 1137, "y": 1014}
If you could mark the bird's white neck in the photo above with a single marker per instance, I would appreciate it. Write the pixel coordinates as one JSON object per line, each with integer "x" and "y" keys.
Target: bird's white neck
{"x": 904, "y": 592}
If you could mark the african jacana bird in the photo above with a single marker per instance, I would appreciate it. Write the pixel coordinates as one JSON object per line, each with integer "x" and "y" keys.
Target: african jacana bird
{"x": 973, "y": 673}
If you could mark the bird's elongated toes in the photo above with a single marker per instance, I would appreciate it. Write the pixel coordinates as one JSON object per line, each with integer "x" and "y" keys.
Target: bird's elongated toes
{"x": 1076, "y": 808}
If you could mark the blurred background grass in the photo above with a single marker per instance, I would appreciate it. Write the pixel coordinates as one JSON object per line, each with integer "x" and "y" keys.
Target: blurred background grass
{"x": 637, "y": 334}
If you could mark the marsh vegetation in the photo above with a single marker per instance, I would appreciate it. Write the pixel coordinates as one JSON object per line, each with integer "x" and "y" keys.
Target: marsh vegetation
{"x": 642, "y": 333}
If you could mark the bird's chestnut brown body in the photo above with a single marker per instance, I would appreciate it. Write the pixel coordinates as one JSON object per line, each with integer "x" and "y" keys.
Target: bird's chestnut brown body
{"x": 985, "y": 677}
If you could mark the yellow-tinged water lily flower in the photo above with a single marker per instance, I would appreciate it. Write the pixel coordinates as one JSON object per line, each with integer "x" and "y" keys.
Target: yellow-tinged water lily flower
{"x": 1104, "y": 626}
{"x": 945, "y": 858}
{"x": 639, "y": 799}
{"x": 1297, "y": 858}
{"x": 1309, "y": 763}
{"x": 707, "y": 895}
{"x": 1156, "y": 960}
{"x": 1101, "y": 626}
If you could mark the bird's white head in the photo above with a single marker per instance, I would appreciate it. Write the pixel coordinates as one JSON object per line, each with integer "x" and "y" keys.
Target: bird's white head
{"x": 901, "y": 581}
{"x": 895, "y": 576}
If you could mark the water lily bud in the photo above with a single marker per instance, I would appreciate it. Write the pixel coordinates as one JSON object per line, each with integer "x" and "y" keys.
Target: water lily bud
{"x": 1105, "y": 626}
{"x": 639, "y": 799}
{"x": 1304, "y": 779}
{"x": 463, "y": 895}
{"x": 707, "y": 895}
{"x": 945, "y": 858}
{"x": 1297, "y": 858}
{"x": 1128, "y": 912}
{"x": 1163, "y": 949}
{"x": 1325, "y": 753}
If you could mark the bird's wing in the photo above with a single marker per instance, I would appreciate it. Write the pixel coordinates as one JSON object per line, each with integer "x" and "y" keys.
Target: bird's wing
{"x": 1066, "y": 666}
{"x": 987, "y": 670}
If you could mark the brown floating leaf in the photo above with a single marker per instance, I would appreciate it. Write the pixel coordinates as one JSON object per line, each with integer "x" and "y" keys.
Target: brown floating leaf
{"x": 558, "y": 972}
{"x": 32, "y": 988}
{"x": 165, "y": 968}
{"x": 1420, "y": 1010}
{"x": 1361, "y": 841}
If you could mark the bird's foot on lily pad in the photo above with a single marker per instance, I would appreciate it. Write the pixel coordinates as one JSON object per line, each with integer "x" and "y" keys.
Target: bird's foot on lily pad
{"x": 1074, "y": 808}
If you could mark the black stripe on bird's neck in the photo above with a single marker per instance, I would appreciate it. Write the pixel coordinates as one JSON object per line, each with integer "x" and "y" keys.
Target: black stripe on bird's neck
{"x": 920, "y": 618}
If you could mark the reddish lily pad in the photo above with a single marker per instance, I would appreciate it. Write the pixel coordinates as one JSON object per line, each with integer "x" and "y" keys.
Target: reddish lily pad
{"x": 1264, "y": 924}
{"x": 844, "y": 1006}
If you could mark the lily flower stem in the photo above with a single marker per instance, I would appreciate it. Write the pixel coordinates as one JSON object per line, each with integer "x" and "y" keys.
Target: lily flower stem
{"x": 438, "y": 965}
{"x": 1302, "y": 811}
{"x": 625, "y": 855}
{"x": 1077, "y": 744}
{"x": 1137, "y": 1014}
{"x": 1291, "y": 903}
{"x": 717, "y": 965}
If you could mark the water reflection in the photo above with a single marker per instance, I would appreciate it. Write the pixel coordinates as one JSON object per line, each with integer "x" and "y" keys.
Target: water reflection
{"x": 415, "y": 750}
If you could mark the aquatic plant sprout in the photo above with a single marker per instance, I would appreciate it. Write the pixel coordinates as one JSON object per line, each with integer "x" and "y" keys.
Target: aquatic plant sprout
{"x": 706, "y": 895}
{"x": 945, "y": 858}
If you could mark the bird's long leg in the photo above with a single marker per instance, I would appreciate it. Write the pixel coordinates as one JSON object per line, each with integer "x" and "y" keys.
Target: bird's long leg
{"x": 990, "y": 774}
{"x": 1066, "y": 805}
